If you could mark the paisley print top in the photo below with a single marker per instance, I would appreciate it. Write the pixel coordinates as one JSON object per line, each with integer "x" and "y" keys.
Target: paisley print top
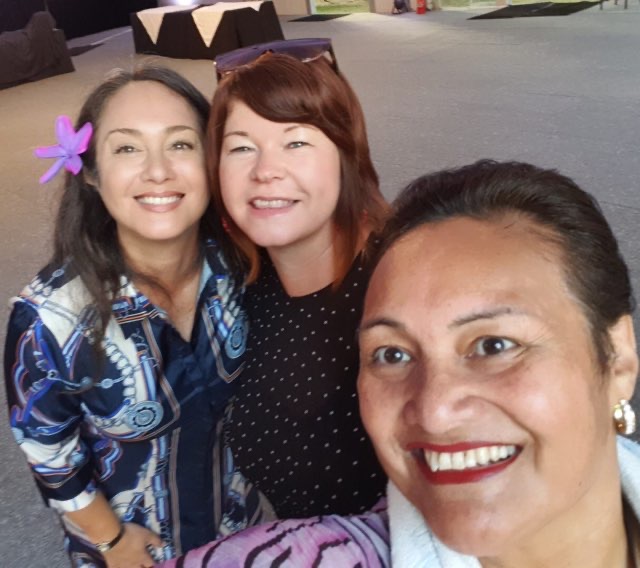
{"x": 144, "y": 425}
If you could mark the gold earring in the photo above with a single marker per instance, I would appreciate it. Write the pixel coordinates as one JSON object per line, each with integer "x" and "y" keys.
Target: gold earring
{"x": 624, "y": 418}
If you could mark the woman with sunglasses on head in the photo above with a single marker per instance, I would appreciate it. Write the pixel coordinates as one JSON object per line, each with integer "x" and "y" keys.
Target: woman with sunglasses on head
{"x": 289, "y": 162}
{"x": 497, "y": 360}
{"x": 121, "y": 355}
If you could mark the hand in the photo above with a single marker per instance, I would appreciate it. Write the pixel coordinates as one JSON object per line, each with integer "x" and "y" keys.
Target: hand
{"x": 131, "y": 551}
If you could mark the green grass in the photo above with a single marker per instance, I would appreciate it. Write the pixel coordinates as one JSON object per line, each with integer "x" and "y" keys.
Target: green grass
{"x": 455, "y": 3}
{"x": 343, "y": 8}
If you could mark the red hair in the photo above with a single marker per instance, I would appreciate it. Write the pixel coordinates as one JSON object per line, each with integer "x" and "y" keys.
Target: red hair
{"x": 282, "y": 89}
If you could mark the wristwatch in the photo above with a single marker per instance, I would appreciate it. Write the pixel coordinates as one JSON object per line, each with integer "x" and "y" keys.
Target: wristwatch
{"x": 103, "y": 547}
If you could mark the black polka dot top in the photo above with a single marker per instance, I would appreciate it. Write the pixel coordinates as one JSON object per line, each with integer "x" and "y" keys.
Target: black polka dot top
{"x": 295, "y": 430}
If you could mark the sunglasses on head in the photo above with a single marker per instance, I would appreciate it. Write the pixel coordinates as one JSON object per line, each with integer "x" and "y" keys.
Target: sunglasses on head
{"x": 305, "y": 50}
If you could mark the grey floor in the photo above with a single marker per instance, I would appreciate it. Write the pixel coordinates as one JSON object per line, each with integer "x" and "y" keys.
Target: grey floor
{"x": 438, "y": 90}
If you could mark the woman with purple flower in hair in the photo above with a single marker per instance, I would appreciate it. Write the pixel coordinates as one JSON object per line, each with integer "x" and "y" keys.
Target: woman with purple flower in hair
{"x": 122, "y": 353}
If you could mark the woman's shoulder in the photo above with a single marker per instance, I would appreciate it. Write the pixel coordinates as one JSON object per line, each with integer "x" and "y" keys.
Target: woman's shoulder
{"x": 54, "y": 296}
{"x": 49, "y": 281}
{"x": 328, "y": 541}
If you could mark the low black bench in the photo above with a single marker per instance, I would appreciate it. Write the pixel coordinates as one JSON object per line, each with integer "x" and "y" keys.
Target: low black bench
{"x": 179, "y": 36}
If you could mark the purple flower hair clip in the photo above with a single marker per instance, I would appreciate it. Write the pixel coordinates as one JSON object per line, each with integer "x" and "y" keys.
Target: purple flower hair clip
{"x": 70, "y": 145}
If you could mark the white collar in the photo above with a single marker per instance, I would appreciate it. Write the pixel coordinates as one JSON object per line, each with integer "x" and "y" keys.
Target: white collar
{"x": 413, "y": 545}
{"x": 629, "y": 460}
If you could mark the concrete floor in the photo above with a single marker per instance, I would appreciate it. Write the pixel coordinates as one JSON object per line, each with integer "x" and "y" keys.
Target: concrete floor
{"x": 438, "y": 90}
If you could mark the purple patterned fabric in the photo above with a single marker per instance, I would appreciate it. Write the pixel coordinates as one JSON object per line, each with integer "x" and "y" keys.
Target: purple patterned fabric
{"x": 325, "y": 542}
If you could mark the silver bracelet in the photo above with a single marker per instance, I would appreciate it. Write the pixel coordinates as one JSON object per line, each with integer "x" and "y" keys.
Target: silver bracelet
{"x": 103, "y": 547}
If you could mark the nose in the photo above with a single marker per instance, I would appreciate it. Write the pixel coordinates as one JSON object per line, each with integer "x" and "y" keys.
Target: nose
{"x": 268, "y": 166}
{"x": 440, "y": 401}
{"x": 158, "y": 167}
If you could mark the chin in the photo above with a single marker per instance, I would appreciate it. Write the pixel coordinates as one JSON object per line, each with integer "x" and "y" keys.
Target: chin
{"x": 274, "y": 243}
{"x": 473, "y": 534}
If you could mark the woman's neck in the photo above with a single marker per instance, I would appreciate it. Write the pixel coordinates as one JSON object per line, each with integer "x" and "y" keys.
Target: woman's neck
{"x": 591, "y": 535}
{"x": 310, "y": 266}
{"x": 168, "y": 264}
{"x": 304, "y": 270}
{"x": 572, "y": 553}
{"x": 169, "y": 275}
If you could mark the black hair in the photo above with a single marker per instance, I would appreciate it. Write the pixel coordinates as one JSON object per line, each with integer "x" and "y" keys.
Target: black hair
{"x": 570, "y": 218}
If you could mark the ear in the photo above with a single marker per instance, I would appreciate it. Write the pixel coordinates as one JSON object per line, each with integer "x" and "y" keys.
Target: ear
{"x": 624, "y": 363}
{"x": 90, "y": 177}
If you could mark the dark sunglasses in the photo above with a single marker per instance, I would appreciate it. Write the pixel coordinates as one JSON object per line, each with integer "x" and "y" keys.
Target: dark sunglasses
{"x": 305, "y": 50}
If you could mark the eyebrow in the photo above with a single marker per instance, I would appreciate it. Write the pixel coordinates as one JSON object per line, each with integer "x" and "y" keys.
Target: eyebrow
{"x": 135, "y": 132}
{"x": 235, "y": 133}
{"x": 459, "y": 322}
{"x": 386, "y": 322}
{"x": 288, "y": 129}
{"x": 487, "y": 314}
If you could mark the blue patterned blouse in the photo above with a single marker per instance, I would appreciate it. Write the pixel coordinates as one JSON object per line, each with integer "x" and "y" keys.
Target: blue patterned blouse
{"x": 146, "y": 425}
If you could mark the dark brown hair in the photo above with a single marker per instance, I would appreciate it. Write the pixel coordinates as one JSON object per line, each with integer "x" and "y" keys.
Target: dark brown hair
{"x": 85, "y": 233}
{"x": 570, "y": 218}
{"x": 282, "y": 89}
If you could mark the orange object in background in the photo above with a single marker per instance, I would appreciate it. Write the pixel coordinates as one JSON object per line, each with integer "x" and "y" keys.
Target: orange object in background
{"x": 421, "y": 6}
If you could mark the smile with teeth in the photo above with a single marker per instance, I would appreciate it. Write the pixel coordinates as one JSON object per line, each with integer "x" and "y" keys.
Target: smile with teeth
{"x": 469, "y": 459}
{"x": 158, "y": 200}
{"x": 272, "y": 203}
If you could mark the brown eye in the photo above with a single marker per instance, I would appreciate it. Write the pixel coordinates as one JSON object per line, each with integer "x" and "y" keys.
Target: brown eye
{"x": 182, "y": 145}
{"x": 125, "y": 149}
{"x": 390, "y": 356}
{"x": 490, "y": 346}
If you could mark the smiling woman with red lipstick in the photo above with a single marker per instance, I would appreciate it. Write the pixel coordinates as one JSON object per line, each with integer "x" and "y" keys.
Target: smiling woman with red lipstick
{"x": 497, "y": 331}
{"x": 290, "y": 164}
{"x": 497, "y": 358}
{"x": 122, "y": 353}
